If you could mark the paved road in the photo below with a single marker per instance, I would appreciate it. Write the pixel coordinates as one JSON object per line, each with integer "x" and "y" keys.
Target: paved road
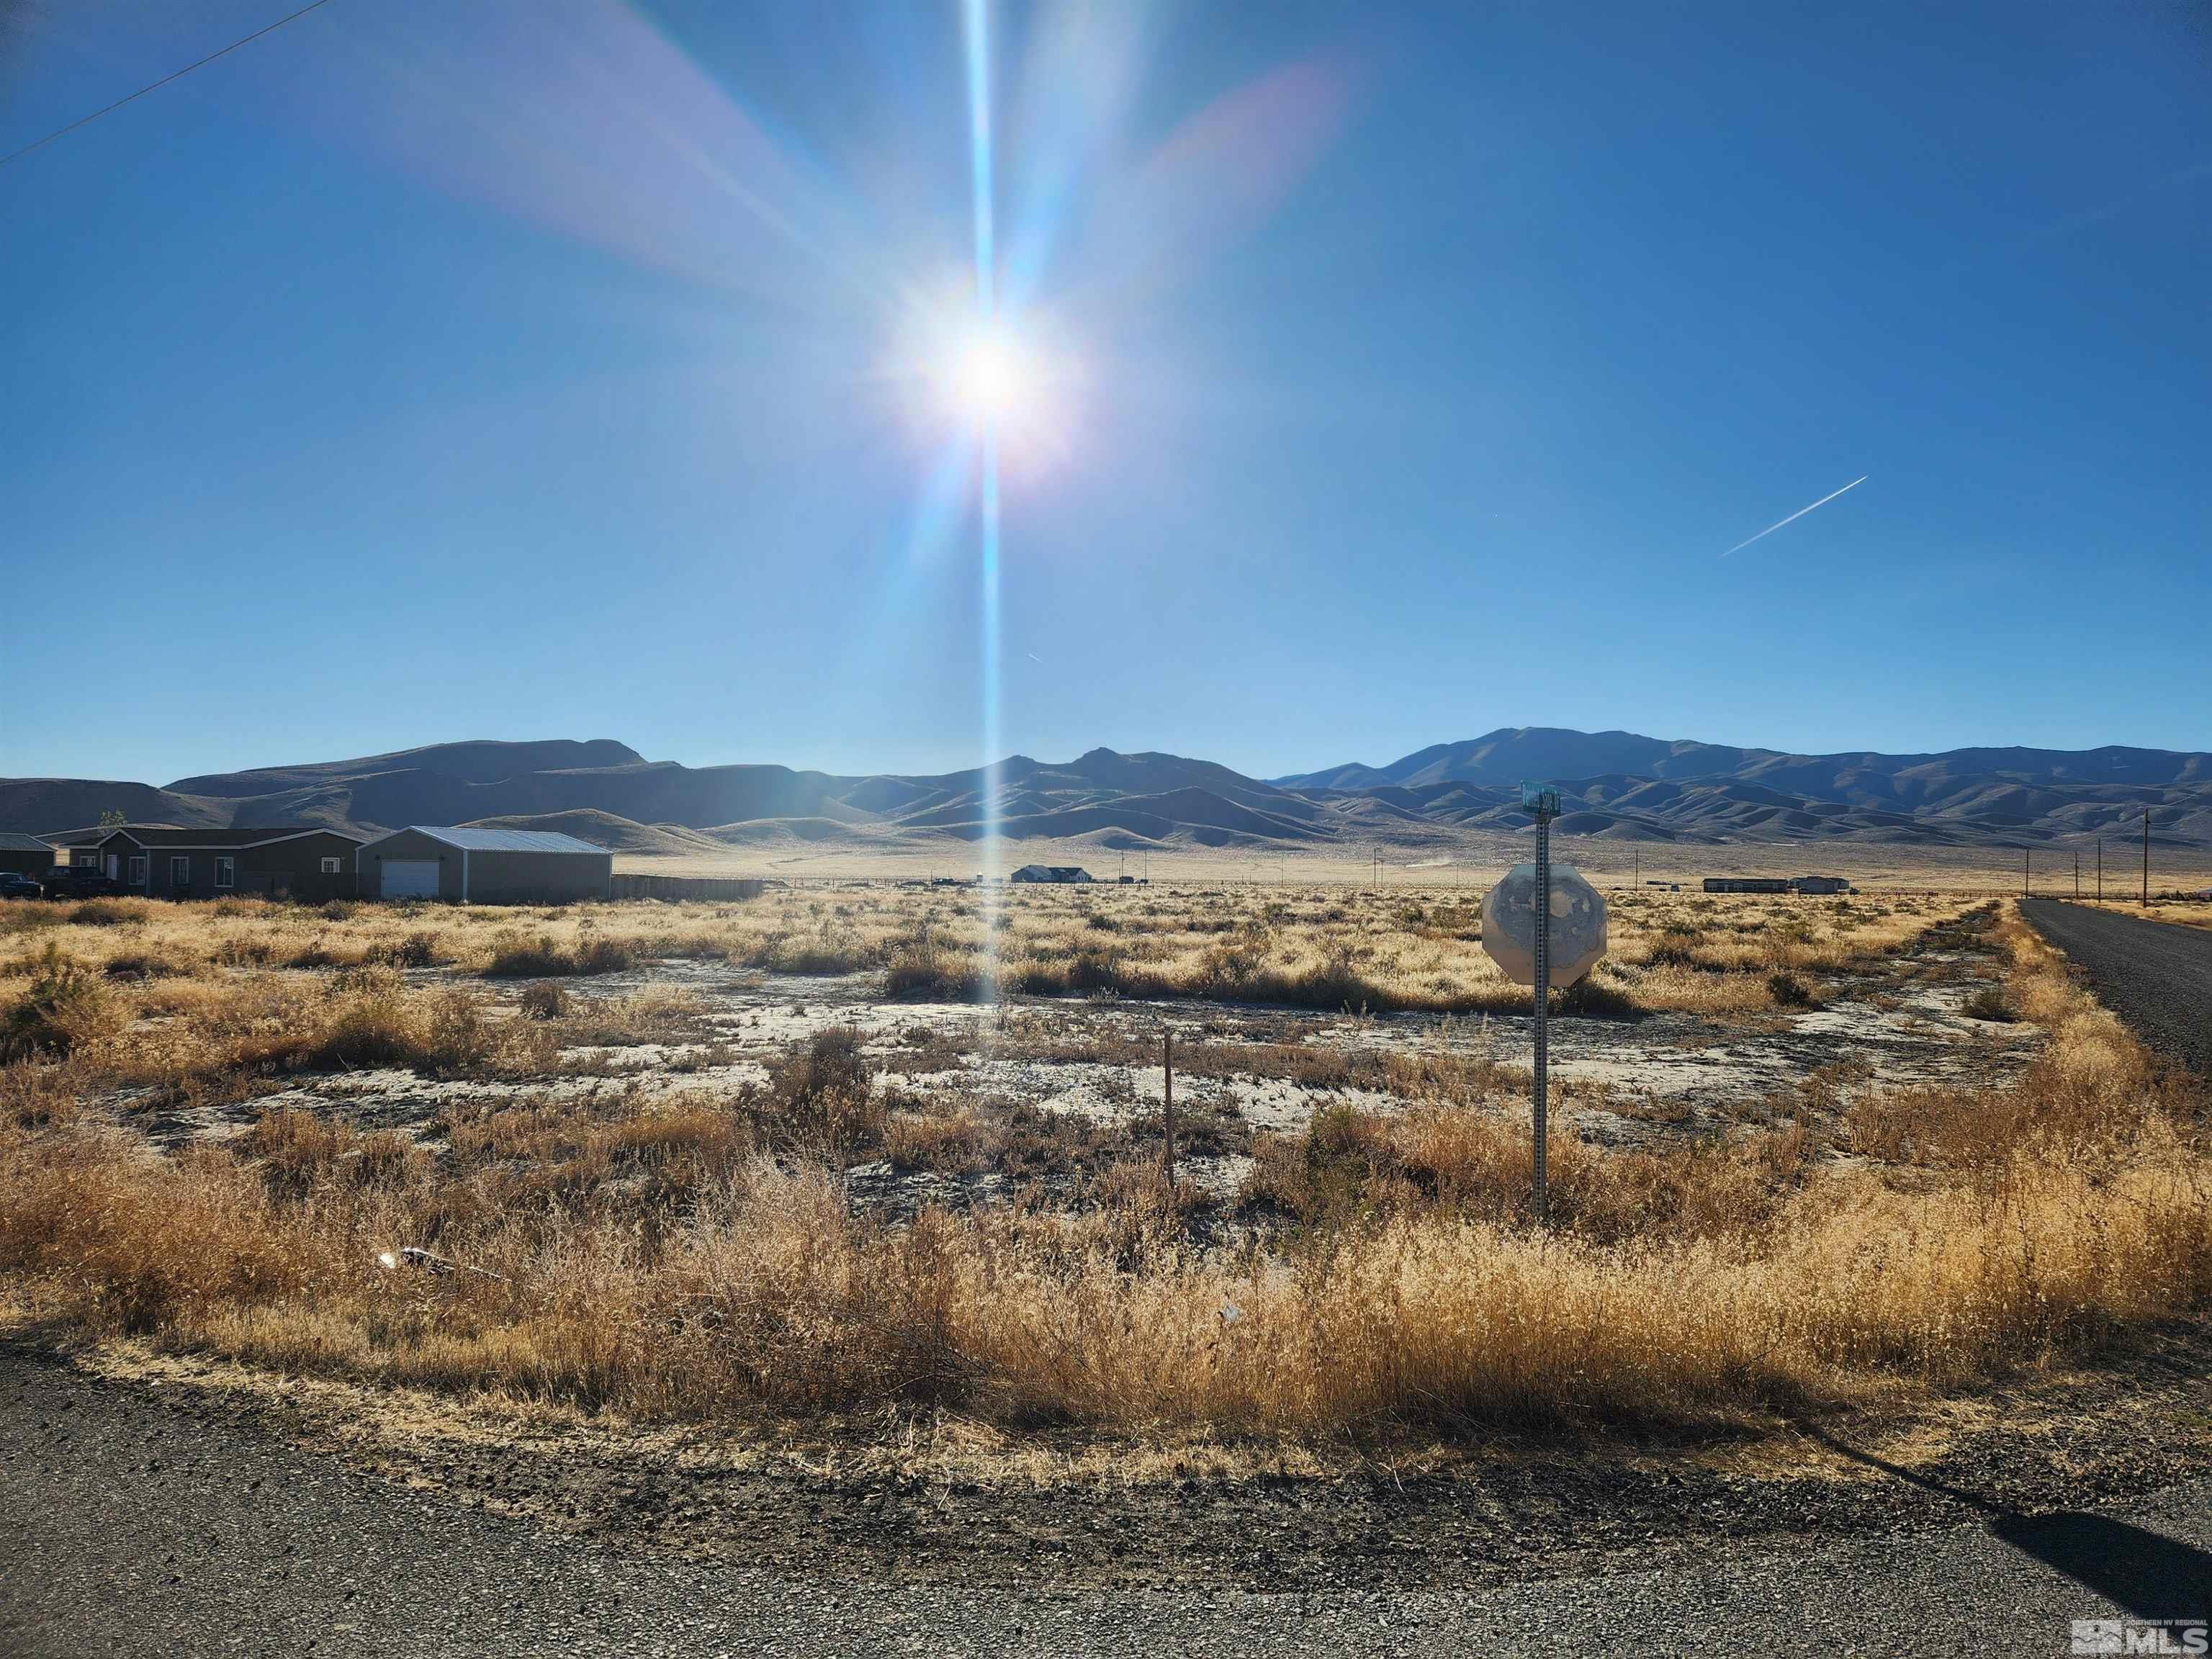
{"x": 133, "y": 1523}
{"x": 2156, "y": 975}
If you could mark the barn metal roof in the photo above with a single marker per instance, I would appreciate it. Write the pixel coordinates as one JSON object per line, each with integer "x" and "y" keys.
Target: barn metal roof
{"x": 505, "y": 841}
{"x": 12, "y": 842}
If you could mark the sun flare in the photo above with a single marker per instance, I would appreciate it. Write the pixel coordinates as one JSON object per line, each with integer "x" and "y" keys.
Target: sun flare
{"x": 960, "y": 372}
{"x": 990, "y": 378}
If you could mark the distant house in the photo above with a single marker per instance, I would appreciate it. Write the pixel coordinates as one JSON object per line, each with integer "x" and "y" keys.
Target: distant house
{"x": 471, "y": 866}
{"x": 1820, "y": 884}
{"x": 1746, "y": 884}
{"x": 1059, "y": 874}
{"x": 297, "y": 861}
{"x": 25, "y": 855}
{"x": 77, "y": 849}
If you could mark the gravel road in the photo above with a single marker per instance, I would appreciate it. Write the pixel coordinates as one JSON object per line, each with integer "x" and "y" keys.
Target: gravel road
{"x": 143, "y": 1521}
{"x": 2156, "y": 975}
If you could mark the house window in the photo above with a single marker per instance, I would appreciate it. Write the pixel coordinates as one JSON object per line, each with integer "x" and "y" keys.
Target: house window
{"x": 137, "y": 869}
{"x": 181, "y": 870}
{"x": 333, "y": 867}
{"x": 226, "y": 871}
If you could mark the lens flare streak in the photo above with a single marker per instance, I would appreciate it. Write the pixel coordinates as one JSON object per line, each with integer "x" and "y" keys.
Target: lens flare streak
{"x": 981, "y": 179}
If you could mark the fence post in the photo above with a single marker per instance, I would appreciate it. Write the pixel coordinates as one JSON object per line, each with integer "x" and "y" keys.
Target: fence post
{"x": 1167, "y": 1113}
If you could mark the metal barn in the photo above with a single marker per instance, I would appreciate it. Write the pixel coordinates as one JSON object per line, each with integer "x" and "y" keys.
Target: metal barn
{"x": 466, "y": 865}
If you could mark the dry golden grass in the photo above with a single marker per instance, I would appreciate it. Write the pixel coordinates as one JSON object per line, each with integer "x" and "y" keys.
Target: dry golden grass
{"x": 219, "y": 1038}
{"x": 1458, "y": 1160}
{"x": 773, "y": 1294}
{"x": 1319, "y": 948}
{"x": 697, "y": 1254}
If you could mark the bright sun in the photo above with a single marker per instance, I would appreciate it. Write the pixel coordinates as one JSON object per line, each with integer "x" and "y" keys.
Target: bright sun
{"x": 990, "y": 379}
{"x": 964, "y": 374}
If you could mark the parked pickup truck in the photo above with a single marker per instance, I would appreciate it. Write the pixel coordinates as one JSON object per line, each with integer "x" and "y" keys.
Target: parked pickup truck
{"x": 14, "y": 884}
{"x": 80, "y": 884}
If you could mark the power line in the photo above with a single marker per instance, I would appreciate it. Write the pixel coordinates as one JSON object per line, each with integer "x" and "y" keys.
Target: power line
{"x": 155, "y": 85}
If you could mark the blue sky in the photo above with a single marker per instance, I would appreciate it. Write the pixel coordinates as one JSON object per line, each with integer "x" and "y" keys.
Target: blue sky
{"x": 425, "y": 372}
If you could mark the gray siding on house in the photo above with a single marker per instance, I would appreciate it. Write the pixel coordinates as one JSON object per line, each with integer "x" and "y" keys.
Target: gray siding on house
{"x": 289, "y": 866}
{"x": 294, "y": 867}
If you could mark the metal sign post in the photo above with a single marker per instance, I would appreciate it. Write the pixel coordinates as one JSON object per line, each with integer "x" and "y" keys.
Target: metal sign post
{"x": 1545, "y": 804}
{"x": 1543, "y": 925}
{"x": 1543, "y": 991}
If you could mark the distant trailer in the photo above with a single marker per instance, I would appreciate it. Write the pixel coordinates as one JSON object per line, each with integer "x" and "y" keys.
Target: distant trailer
{"x": 1820, "y": 884}
{"x": 1746, "y": 884}
{"x": 1055, "y": 874}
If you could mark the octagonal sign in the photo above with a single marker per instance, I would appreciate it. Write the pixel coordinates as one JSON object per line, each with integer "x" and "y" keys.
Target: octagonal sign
{"x": 1509, "y": 924}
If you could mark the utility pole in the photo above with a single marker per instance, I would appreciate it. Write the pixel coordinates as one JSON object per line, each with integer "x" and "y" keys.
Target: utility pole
{"x": 2100, "y": 869}
{"x": 2146, "y": 895}
{"x": 2077, "y": 873}
{"x": 2025, "y": 856}
{"x": 1636, "y": 866}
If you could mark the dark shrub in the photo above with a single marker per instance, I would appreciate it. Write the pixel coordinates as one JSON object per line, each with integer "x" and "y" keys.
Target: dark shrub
{"x": 1988, "y": 1002}
{"x": 1791, "y": 992}
{"x": 61, "y": 1001}
{"x": 544, "y": 1000}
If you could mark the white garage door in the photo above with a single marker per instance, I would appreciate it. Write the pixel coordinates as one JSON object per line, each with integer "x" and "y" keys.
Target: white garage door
{"x": 410, "y": 879}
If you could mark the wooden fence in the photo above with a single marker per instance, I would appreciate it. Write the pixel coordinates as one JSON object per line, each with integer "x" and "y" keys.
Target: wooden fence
{"x": 630, "y": 886}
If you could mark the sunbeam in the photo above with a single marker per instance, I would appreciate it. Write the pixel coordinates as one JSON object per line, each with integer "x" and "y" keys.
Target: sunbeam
{"x": 988, "y": 413}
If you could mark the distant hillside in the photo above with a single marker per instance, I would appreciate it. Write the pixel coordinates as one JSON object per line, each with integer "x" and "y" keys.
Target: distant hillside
{"x": 1616, "y": 785}
{"x": 38, "y": 805}
{"x": 1506, "y": 757}
{"x": 1634, "y": 786}
{"x": 469, "y": 762}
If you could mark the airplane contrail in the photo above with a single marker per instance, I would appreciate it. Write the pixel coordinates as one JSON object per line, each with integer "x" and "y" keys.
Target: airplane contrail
{"x": 1799, "y": 514}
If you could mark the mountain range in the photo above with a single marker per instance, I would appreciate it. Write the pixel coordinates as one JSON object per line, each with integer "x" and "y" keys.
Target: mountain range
{"x": 1615, "y": 785}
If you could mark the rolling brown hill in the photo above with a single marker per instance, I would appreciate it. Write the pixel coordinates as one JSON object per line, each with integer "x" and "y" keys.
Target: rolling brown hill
{"x": 1618, "y": 785}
